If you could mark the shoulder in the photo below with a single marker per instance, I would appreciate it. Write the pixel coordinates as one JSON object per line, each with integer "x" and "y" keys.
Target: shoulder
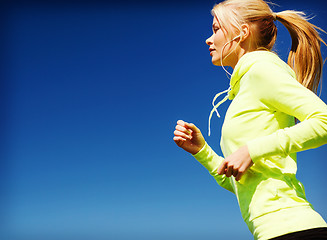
{"x": 271, "y": 80}
{"x": 269, "y": 73}
{"x": 271, "y": 65}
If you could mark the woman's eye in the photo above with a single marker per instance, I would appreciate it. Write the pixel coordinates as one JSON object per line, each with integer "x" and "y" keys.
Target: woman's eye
{"x": 215, "y": 29}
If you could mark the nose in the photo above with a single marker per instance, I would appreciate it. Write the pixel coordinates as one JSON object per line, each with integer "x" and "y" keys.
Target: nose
{"x": 209, "y": 41}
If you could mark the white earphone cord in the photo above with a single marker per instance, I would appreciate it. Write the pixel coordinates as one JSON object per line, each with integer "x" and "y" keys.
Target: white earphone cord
{"x": 215, "y": 106}
{"x": 221, "y": 54}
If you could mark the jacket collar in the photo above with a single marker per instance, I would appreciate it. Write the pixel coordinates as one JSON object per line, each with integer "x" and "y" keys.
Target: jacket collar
{"x": 243, "y": 65}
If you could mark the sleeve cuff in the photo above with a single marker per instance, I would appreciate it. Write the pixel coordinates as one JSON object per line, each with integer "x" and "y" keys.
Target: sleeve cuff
{"x": 208, "y": 158}
{"x": 202, "y": 152}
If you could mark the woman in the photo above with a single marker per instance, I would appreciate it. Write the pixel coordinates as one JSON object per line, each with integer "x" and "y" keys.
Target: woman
{"x": 259, "y": 135}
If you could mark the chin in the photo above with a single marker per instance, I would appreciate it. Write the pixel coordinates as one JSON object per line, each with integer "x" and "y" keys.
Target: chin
{"x": 216, "y": 62}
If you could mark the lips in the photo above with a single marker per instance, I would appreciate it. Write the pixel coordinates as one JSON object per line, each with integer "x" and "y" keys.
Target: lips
{"x": 211, "y": 50}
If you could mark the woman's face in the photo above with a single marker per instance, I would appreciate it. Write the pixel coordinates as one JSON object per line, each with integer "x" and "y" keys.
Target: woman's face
{"x": 218, "y": 43}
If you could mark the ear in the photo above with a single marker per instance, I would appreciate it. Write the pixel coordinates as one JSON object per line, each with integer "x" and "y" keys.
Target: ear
{"x": 245, "y": 33}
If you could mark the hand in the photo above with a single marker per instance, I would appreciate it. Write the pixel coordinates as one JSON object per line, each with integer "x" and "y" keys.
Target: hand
{"x": 188, "y": 137}
{"x": 236, "y": 164}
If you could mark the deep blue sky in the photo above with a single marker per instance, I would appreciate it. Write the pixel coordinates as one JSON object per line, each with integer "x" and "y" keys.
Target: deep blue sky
{"x": 91, "y": 92}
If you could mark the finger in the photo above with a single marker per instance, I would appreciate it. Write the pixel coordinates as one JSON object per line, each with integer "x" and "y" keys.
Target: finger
{"x": 181, "y": 123}
{"x": 183, "y": 129}
{"x": 229, "y": 171}
{"x": 179, "y": 141}
{"x": 221, "y": 168}
{"x": 240, "y": 173}
{"x": 177, "y": 138}
{"x": 181, "y": 134}
{"x": 238, "y": 176}
{"x": 235, "y": 172}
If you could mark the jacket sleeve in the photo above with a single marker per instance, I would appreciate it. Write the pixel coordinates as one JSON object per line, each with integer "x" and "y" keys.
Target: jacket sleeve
{"x": 277, "y": 88}
{"x": 211, "y": 161}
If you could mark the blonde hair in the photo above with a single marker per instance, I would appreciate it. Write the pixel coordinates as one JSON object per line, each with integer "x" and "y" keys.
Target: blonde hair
{"x": 305, "y": 54}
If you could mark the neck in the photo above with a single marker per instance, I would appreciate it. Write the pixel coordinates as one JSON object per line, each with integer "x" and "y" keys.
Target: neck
{"x": 239, "y": 54}
{"x": 242, "y": 48}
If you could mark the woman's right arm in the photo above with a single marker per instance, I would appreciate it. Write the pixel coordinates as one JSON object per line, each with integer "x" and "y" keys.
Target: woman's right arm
{"x": 189, "y": 137}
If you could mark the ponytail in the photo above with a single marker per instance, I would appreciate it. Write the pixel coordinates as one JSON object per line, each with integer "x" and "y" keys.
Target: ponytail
{"x": 305, "y": 55}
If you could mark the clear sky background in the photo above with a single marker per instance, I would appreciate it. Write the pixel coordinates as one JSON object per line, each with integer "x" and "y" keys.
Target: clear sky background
{"x": 90, "y": 95}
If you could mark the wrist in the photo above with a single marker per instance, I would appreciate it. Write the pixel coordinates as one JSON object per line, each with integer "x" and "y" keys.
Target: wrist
{"x": 199, "y": 150}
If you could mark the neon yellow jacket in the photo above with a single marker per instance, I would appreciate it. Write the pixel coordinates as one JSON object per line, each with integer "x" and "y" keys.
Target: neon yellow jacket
{"x": 265, "y": 99}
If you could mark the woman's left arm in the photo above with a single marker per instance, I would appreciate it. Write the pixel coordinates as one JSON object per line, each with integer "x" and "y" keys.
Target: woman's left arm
{"x": 280, "y": 91}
